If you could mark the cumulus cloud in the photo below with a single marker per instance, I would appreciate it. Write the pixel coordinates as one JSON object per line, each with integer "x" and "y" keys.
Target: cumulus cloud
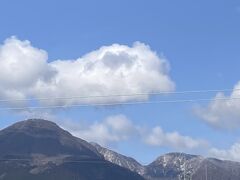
{"x": 111, "y": 130}
{"x": 233, "y": 153}
{"x": 115, "y": 69}
{"x": 21, "y": 68}
{"x": 157, "y": 137}
{"x": 119, "y": 128}
{"x": 224, "y": 113}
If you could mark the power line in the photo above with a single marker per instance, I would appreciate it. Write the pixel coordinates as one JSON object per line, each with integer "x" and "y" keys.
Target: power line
{"x": 119, "y": 103}
{"x": 121, "y": 95}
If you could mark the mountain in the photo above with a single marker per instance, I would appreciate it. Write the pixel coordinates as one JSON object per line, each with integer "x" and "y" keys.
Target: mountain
{"x": 173, "y": 166}
{"x": 42, "y": 137}
{"x": 38, "y": 149}
{"x": 121, "y": 160}
{"x": 177, "y": 166}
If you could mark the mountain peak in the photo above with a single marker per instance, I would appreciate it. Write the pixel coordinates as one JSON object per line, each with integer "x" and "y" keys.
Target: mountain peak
{"x": 174, "y": 159}
{"x": 179, "y": 155}
{"x": 34, "y": 123}
{"x": 37, "y": 128}
{"x": 40, "y": 149}
{"x": 37, "y": 136}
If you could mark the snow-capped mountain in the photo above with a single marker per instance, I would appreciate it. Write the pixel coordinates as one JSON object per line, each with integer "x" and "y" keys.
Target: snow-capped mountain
{"x": 173, "y": 166}
{"x": 177, "y": 166}
{"x": 120, "y": 159}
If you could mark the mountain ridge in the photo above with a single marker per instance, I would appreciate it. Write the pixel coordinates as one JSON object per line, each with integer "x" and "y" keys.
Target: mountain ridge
{"x": 40, "y": 149}
{"x": 182, "y": 166}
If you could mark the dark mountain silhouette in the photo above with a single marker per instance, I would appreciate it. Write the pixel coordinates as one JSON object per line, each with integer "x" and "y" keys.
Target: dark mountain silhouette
{"x": 38, "y": 149}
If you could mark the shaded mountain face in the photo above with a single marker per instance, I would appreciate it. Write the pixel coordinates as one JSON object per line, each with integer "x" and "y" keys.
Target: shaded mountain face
{"x": 217, "y": 169}
{"x": 39, "y": 149}
{"x": 42, "y": 137}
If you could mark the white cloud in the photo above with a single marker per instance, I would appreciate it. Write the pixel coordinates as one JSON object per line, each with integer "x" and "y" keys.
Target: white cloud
{"x": 157, "y": 137}
{"x": 119, "y": 128}
{"x": 223, "y": 113}
{"x": 111, "y": 130}
{"x": 115, "y": 69}
{"x": 21, "y": 67}
{"x": 233, "y": 153}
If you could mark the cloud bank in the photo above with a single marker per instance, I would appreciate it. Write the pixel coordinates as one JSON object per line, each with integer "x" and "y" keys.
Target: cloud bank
{"x": 224, "y": 114}
{"x": 111, "y": 130}
{"x": 115, "y": 69}
{"x": 157, "y": 137}
{"x": 119, "y": 128}
{"x": 233, "y": 153}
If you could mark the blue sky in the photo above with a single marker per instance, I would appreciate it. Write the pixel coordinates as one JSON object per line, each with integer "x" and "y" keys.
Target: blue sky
{"x": 200, "y": 41}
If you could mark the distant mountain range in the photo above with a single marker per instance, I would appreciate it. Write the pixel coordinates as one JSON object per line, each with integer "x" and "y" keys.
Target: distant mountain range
{"x": 38, "y": 149}
{"x": 177, "y": 166}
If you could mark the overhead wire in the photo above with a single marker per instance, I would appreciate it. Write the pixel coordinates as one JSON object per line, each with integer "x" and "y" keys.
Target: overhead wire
{"x": 119, "y": 103}
{"x": 120, "y": 95}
